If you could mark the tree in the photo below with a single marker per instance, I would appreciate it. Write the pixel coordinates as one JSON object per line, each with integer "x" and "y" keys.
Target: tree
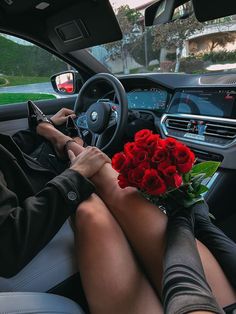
{"x": 27, "y": 60}
{"x": 221, "y": 40}
{"x": 128, "y": 20}
{"x": 174, "y": 35}
{"x": 144, "y": 45}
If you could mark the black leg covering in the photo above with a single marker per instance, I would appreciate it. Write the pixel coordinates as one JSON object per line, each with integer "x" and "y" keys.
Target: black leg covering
{"x": 223, "y": 249}
{"x": 184, "y": 285}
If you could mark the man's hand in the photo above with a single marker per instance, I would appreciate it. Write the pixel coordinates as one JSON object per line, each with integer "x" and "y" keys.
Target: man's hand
{"x": 61, "y": 116}
{"x": 89, "y": 162}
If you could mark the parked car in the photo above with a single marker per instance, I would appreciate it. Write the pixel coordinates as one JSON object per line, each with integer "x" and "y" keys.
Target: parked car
{"x": 66, "y": 87}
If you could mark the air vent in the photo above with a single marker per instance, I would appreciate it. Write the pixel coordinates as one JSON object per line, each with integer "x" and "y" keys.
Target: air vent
{"x": 212, "y": 131}
{"x": 222, "y": 79}
{"x": 177, "y": 124}
{"x": 220, "y": 130}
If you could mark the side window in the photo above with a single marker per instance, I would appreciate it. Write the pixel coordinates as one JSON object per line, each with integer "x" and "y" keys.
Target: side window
{"x": 25, "y": 71}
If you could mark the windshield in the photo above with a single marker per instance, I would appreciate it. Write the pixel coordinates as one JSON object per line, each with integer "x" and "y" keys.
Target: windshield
{"x": 184, "y": 45}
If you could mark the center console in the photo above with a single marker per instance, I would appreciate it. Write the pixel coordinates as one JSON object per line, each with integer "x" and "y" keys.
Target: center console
{"x": 206, "y": 120}
{"x": 204, "y": 116}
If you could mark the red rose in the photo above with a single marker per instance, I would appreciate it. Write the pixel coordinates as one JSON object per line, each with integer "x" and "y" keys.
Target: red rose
{"x": 144, "y": 165}
{"x": 152, "y": 183}
{"x": 120, "y": 162}
{"x": 184, "y": 158}
{"x": 160, "y": 155}
{"x": 170, "y": 143}
{"x": 130, "y": 149}
{"x": 172, "y": 177}
{"x": 161, "y": 143}
{"x": 140, "y": 157}
{"x": 142, "y": 136}
{"x": 163, "y": 165}
{"x": 151, "y": 143}
{"x": 135, "y": 176}
{"x": 122, "y": 181}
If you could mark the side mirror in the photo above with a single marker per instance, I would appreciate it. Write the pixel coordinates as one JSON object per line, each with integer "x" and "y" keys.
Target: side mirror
{"x": 66, "y": 83}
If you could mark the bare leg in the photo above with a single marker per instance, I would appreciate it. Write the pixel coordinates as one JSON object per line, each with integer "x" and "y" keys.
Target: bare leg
{"x": 111, "y": 278}
{"x": 143, "y": 223}
{"x": 144, "y": 226}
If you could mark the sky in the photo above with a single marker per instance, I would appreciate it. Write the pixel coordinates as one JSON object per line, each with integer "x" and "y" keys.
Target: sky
{"x": 131, "y": 3}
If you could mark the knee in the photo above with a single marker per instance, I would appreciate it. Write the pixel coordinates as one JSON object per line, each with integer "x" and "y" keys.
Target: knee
{"x": 89, "y": 213}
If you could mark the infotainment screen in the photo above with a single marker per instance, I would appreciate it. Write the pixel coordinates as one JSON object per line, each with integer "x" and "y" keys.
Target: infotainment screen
{"x": 217, "y": 103}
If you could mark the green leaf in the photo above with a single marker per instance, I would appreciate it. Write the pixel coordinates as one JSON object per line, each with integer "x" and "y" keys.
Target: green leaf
{"x": 198, "y": 177}
{"x": 202, "y": 189}
{"x": 197, "y": 180}
{"x": 208, "y": 168}
{"x": 190, "y": 202}
{"x": 190, "y": 189}
{"x": 186, "y": 177}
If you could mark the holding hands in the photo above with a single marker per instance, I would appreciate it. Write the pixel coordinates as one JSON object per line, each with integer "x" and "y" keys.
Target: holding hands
{"x": 88, "y": 162}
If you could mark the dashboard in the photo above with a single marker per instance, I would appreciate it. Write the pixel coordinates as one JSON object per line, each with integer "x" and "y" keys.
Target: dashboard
{"x": 199, "y": 110}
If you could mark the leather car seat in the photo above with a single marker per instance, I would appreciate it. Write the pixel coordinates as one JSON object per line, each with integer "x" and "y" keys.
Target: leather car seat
{"x": 35, "y": 303}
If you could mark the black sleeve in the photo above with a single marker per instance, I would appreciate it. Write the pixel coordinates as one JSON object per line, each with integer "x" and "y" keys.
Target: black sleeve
{"x": 26, "y": 227}
{"x": 27, "y": 140}
{"x": 184, "y": 287}
{"x": 222, "y": 247}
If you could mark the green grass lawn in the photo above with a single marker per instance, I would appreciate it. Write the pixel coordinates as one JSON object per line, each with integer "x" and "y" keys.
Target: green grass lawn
{"x": 22, "y": 80}
{"x": 11, "y": 98}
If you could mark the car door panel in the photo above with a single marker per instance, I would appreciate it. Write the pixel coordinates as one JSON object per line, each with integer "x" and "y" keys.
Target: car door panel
{"x": 14, "y": 117}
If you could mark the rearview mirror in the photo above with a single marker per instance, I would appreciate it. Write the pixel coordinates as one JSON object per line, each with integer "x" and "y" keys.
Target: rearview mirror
{"x": 165, "y": 11}
{"x": 66, "y": 83}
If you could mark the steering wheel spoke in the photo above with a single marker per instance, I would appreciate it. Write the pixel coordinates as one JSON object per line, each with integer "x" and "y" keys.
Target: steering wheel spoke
{"x": 113, "y": 119}
{"x": 82, "y": 122}
{"x": 96, "y": 139}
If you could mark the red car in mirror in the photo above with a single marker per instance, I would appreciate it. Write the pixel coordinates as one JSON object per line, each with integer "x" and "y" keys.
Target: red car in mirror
{"x": 66, "y": 87}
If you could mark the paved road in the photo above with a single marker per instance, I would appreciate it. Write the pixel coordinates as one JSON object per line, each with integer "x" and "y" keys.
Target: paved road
{"x": 29, "y": 88}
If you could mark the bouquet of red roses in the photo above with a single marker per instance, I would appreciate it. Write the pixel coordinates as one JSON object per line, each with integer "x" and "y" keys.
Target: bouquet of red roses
{"x": 162, "y": 169}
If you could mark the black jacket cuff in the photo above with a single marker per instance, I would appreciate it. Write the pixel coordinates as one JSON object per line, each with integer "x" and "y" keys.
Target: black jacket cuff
{"x": 74, "y": 187}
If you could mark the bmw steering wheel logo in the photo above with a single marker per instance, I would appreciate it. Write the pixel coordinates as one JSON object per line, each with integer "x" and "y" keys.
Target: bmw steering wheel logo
{"x": 94, "y": 116}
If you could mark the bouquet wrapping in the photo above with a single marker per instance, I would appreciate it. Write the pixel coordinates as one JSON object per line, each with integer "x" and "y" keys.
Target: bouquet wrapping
{"x": 164, "y": 170}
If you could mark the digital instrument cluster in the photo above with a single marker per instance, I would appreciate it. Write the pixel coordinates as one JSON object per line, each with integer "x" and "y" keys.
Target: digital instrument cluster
{"x": 149, "y": 99}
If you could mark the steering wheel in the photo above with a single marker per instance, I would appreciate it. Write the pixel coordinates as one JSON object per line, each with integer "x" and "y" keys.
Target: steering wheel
{"x": 102, "y": 115}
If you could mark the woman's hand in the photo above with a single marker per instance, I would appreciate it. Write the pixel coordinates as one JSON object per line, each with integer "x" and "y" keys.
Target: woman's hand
{"x": 61, "y": 116}
{"x": 89, "y": 161}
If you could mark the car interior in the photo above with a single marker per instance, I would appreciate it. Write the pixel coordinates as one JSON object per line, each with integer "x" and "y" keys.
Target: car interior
{"x": 197, "y": 109}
